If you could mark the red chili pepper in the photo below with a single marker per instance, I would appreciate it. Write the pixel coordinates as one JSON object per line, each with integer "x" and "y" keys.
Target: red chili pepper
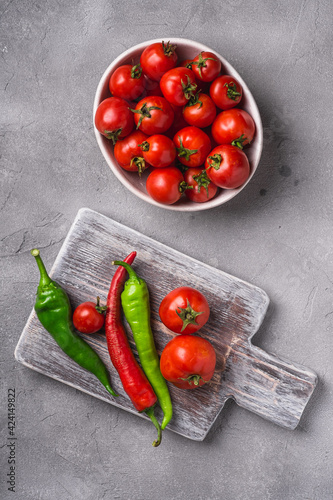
{"x": 133, "y": 379}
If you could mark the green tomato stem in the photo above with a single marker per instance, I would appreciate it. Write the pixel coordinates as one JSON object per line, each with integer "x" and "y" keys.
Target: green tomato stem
{"x": 188, "y": 315}
{"x": 185, "y": 152}
{"x": 239, "y": 142}
{"x": 193, "y": 379}
{"x": 144, "y": 112}
{"x": 232, "y": 92}
{"x": 168, "y": 48}
{"x": 136, "y": 71}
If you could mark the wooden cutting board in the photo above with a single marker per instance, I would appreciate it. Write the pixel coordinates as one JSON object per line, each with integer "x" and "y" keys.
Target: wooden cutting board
{"x": 256, "y": 380}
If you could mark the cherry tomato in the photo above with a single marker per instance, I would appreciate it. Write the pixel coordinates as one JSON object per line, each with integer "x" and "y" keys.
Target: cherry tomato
{"x": 226, "y": 92}
{"x": 188, "y": 361}
{"x": 193, "y": 146}
{"x": 153, "y": 115}
{"x": 234, "y": 126}
{"x": 157, "y": 59}
{"x": 178, "y": 123}
{"x": 203, "y": 189}
{"x": 128, "y": 153}
{"x": 158, "y": 150}
{"x": 178, "y": 85}
{"x": 89, "y": 317}
{"x": 152, "y": 88}
{"x": 200, "y": 111}
{"x": 187, "y": 63}
{"x": 113, "y": 118}
{"x": 166, "y": 185}
{"x": 227, "y": 166}
{"x": 206, "y": 66}
{"x": 127, "y": 82}
{"x": 184, "y": 310}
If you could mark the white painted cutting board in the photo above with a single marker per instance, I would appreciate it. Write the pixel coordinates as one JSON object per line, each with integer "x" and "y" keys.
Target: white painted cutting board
{"x": 256, "y": 380}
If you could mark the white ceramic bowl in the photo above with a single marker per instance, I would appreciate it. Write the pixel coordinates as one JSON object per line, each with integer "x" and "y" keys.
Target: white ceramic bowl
{"x": 186, "y": 49}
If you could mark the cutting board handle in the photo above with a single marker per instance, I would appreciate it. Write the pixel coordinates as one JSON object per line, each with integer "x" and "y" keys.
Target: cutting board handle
{"x": 264, "y": 384}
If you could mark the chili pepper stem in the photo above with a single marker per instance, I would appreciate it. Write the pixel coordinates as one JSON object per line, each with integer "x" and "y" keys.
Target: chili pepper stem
{"x": 45, "y": 279}
{"x": 131, "y": 273}
{"x": 150, "y": 413}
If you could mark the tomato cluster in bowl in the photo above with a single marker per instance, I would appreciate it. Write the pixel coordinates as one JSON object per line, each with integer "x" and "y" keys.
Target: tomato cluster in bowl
{"x": 180, "y": 122}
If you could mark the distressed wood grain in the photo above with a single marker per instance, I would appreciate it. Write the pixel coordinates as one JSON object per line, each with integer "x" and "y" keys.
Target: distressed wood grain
{"x": 256, "y": 380}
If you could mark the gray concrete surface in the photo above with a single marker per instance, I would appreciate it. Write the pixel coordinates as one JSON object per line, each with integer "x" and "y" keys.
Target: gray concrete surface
{"x": 277, "y": 234}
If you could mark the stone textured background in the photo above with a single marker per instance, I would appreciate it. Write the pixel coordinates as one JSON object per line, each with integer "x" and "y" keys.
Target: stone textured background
{"x": 277, "y": 234}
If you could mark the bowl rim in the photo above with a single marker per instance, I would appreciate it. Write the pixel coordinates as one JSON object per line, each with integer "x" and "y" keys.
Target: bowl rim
{"x": 190, "y": 206}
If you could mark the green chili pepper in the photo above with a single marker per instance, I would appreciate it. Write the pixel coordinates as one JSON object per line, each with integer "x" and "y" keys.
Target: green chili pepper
{"x": 53, "y": 310}
{"x": 135, "y": 302}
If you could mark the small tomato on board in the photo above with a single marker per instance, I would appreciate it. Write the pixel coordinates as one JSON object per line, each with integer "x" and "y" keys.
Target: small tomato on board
{"x": 188, "y": 361}
{"x": 227, "y": 166}
{"x": 184, "y": 310}
{"x": 206, "y": 66}
{"x": 127, "y": 82}
{"x": 157, "y": 59}
{"x": 226, "y": 92}
{"x": 89, "y": 317}
{"x": 153, "y": 115}
{"x": 233, "y": 126}
{"x": 113, "y": 119}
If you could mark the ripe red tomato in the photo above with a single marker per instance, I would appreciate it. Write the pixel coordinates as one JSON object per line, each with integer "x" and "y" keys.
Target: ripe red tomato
{"x": 153, "y": 115}
{"x": 158, "y": 150}
{"x": 184, "y": 310}
{"x": 226, "y": 92}
{"x": 89, "y": 317}
{"x": 113, "y": 118}
{"x": 201, "y": 188}
{"x": 193, "y": 146}
{"x": 152, "y": 88}
{"x": 206, "y": 66}
{"x": 234, "y": 126}
{"x": 127, "y": 82}
{"x": 187, "y": 63}
{"x": 128, "y": 153}
{"x": 166, "y": 185}
{"x": 200, "y": 111}
{"x": 178, "y": 85}
{"x": 188, "y": 361}
{"x": 178, "y": 123}
{"x": 157, "y": 59}
{"x": 227, "y": 166}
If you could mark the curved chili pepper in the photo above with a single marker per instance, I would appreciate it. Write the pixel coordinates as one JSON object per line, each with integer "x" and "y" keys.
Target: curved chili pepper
{"x": 134, "y": 381}
{"x": 135, "y": 302}
{"x": 53, "y": 310}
